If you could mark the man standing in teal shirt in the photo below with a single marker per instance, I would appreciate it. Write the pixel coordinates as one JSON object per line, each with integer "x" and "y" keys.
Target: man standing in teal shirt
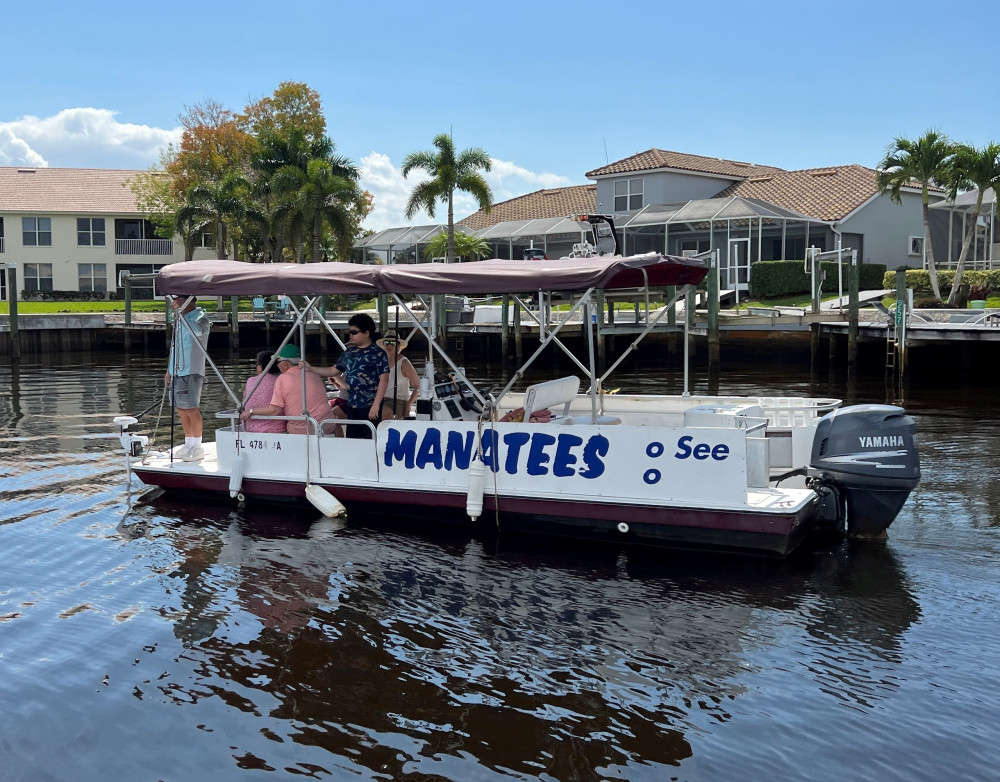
{"x": 186, "y": 372}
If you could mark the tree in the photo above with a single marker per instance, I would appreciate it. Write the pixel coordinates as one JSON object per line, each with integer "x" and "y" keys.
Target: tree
{"x": 326, "y": 193}
{"x": 466, "y": 246}
{"x": 924, "y": 162}
{"x": 972, "y": 168}
{"x": 292, "y": 107}
{"x": 212, "y": 146}
{"x": 221, "y": 202}
{"x": 448, "y": 173}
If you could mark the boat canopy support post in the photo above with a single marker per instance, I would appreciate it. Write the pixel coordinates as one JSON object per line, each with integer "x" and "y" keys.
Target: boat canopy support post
{"x": 300, "y": 316}
{"x": 550, "y": 337}
{"x": 688, "y": 315}
{"x": 591, "y": 326}
{"x": 433, "y": 346}
{"x": 650, "y": 325}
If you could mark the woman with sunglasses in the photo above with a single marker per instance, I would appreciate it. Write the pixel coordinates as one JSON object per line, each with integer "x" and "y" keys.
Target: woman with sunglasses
{"x": 404, "y": 383}
{"x": 366, "y": 371}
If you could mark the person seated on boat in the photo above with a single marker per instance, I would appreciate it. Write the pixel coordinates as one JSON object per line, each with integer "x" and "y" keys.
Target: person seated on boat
{"x": 258, "y": 392}
{"x": 366, "y": 370}
{"x": 338, "y": 404}
{"x": 287, "y": 396}
{"x": 185, "y": 374}
{"x": 404, "y": 384}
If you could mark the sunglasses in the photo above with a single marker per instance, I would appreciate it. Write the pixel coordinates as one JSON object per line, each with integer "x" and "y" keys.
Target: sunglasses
{"x": 353, "y": 332}
{"x": 389, "y": 343}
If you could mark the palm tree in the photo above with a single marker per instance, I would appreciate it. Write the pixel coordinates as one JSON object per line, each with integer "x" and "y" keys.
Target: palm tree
{"x": 926, "y": 162}
{"x": 189, "y": 225}
{"x": 218, "y": 201}
{"x": 325, "y": 193}
{"x": 448, "y": 174}
{"x": 973, "y": 168}
{"x": 466, "y": 246}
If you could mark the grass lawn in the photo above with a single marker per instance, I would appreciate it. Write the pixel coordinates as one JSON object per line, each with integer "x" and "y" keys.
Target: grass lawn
{"x": 49, "y": 307}
{"x": 210, "y": 305}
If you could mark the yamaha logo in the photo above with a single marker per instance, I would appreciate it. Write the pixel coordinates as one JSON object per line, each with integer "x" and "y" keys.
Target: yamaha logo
{"x": 885, "y": 441}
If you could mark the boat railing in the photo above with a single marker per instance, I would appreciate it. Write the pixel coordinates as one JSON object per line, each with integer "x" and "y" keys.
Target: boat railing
{"x": 795, "y": 411}
{"x": 320, "y": 426}
{"x": 327, "y": 425}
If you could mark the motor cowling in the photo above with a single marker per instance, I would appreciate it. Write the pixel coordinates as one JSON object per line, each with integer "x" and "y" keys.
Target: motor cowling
{"x": 869, "y": 454}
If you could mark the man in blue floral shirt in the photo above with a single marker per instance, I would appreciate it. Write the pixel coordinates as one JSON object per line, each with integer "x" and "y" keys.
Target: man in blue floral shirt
{"x": 365, "y": 368}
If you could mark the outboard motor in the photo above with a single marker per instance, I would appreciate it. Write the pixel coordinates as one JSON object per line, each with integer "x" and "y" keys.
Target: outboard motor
{"x": 869, "y": 454}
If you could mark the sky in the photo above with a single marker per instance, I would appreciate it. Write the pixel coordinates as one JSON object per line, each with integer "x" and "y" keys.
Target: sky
{"x": 550, "y": 90}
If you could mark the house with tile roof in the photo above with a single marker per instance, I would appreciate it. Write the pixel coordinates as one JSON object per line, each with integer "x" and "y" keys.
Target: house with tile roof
{"x": 71, "y": 229}
{"x": 681, "y": 203}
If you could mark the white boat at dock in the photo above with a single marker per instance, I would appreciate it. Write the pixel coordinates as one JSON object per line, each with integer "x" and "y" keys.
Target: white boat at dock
{"x": 740, "y": 473}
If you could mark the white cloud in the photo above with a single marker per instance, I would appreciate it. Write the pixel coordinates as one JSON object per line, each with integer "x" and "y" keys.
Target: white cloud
{"x": 16, "y": 151}
{"x": 82, "y": 138}
{"x": 391, "y": 191}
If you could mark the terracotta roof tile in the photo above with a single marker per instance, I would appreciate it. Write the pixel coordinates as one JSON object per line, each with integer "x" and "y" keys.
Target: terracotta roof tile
{"x": 825, "y": 193}
{"x": 557, "y": 202}
{"x": 53, "y": 190}
{"x": 653, "y": 159}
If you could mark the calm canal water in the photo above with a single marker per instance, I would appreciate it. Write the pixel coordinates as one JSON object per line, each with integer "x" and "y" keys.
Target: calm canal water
{"x": 178, "y": 641}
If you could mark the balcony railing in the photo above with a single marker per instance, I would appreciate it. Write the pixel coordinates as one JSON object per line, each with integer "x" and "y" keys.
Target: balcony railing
{"x": 144, "y": 247}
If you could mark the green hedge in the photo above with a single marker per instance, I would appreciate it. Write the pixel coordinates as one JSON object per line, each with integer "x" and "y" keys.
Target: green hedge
{"x": 774, "y": 279}
{"x": 68, "y": 296}
{"x": 920, "y": 280}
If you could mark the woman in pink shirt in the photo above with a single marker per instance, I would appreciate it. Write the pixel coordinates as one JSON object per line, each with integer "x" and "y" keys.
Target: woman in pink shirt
{"x": 287, "y": 397}
{"x": 261, "y": 395}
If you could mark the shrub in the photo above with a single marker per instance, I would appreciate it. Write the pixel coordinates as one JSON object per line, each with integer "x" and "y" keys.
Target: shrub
{"x": 774, "y": 279}
{"x": 68, "y": 296}
{"x": 920, "y": 279}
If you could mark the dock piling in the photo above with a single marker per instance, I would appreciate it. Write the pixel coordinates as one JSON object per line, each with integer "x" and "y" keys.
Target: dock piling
{"x": 15, "y": 340}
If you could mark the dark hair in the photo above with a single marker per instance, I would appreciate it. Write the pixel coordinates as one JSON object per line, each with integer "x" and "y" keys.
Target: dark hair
{"x": 264, "y": 358}
{"x": 363, "y": 322}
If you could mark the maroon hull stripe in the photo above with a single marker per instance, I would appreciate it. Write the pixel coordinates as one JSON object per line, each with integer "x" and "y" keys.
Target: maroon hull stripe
{"x": 781, "y": 530}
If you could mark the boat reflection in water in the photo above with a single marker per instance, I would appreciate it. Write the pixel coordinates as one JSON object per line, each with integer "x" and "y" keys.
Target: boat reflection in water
{"x": 383, "y": 651}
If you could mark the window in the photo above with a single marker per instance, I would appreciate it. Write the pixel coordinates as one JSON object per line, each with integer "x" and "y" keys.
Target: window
{"x": 38, "y": 276}
{"x": 93, "y": 277}
{"x": 90, "y": 232}
{"x": 690, "y": 247}
{"x": 206, "y": 239}
{"x": 37, "y": 232}
{"x": 916, "y": 246}
{"x": 628, "y": 195}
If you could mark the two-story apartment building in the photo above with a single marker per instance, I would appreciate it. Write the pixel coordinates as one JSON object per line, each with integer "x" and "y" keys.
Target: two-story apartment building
{"x": 67, "y": 229}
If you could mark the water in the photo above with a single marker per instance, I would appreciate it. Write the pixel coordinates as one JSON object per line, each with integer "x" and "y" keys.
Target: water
{"x": 182, "y": 641}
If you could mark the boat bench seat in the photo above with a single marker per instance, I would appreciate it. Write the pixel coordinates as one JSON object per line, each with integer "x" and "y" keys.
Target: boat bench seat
{"x": 550, "y": 395}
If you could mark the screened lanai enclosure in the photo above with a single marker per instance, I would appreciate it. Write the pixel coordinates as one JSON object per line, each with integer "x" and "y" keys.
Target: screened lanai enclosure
{"x": 555, "y": 236}
{"x": 743, "y": 230}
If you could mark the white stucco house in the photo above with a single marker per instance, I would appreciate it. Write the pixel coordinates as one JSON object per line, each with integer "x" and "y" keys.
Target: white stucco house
{"x": 69, "y": 229}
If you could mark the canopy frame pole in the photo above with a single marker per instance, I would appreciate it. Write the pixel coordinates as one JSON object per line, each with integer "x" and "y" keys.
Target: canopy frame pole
{"x": 688, "y": 315}
{"x": 544, "y": 343}
{"x": 650, "y": 325}
{"x": 544, "y": 336}
{"x": 274, "y": 355}
{"x": 433, "y": 346}
{"x": 591, "y": 327}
